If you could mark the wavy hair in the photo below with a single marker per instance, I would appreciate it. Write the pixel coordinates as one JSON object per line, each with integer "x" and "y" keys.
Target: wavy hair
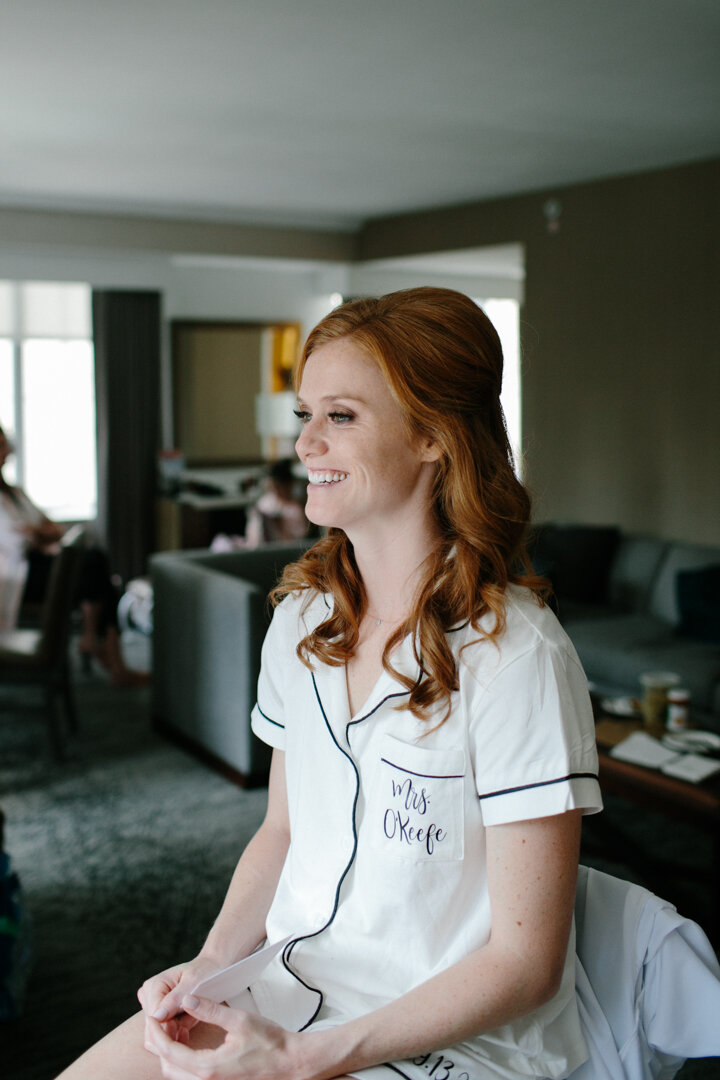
{"x": 442, "y": 359}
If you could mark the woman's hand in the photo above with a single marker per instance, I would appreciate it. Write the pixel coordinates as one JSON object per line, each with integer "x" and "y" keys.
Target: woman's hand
{"x": 44, "y": 535}
{"x": 253, "y": 1048}
{"x": 161, "y": 996}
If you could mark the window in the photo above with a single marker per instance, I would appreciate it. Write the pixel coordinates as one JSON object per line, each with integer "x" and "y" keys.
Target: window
{"x": 47, "y": 395}
{"x": 505, "y": 317}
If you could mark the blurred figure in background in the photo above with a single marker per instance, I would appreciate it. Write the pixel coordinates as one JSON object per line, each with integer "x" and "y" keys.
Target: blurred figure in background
{"x": 28, "y": 542}
{"x": 277, "y": 515}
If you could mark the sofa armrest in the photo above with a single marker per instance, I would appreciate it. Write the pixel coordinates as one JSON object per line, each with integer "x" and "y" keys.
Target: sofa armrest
{"x": 208, "y": 632}
{"x": 262, "y": 565}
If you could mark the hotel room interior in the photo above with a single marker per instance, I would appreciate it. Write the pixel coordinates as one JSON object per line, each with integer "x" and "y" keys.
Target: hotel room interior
{"x": 235, "y": 168}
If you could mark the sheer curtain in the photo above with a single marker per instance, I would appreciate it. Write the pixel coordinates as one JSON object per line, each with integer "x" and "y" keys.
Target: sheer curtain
{"x": 126, "y": 331}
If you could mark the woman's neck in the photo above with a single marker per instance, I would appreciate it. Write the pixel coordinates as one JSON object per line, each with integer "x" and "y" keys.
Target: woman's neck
{"x": 390, "y": 568}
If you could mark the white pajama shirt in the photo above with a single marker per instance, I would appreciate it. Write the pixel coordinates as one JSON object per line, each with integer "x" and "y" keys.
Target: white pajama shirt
{"x": 385, "y": 880}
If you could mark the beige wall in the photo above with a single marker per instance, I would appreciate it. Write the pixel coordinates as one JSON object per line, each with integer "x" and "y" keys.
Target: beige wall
{"x": 621, "y": 342}
{"x": 620, "y": 322}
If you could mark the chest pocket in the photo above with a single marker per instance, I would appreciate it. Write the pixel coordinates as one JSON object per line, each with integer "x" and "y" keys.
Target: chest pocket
{"x": 415, "y": 805}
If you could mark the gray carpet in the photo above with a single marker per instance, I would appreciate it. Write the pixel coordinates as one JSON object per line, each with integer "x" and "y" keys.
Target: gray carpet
{"x": 125, "y": 852}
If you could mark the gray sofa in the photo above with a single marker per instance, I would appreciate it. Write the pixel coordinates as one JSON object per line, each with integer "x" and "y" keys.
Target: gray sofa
{"x": 630, "y": 604}
{"x": 633, "y": 604}
{"x": 210, "y": 618}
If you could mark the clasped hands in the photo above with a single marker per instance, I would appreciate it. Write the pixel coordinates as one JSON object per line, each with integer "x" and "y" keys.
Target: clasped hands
{"x": 236, "y": 1045}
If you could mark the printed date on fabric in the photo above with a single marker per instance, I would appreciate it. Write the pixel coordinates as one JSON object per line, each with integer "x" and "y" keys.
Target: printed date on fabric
{"x": 439, "y": 1067}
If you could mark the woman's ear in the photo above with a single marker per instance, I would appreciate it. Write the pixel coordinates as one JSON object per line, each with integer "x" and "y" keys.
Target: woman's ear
{"x": 429, "y": 449}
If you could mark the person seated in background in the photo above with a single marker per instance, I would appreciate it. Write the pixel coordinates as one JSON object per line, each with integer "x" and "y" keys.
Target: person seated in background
{"x": 277, "y": 515}
{"x": 36, "y": 538}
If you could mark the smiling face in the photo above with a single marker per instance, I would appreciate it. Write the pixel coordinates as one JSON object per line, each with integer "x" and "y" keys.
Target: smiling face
{"x": 366, "y": 476}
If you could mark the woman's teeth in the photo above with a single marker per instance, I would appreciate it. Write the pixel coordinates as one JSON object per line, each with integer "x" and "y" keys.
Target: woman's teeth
{"x": 326, "y": 477}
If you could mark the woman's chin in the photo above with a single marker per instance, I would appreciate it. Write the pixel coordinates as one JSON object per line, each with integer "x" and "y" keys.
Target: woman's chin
{"x": 319, "y": 511}
{"x": 323, "y": 521}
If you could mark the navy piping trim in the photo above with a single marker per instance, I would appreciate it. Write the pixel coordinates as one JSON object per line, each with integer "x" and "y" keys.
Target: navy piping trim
{"x": 266, "y": 717}
{"x": 429, "y": 776}
{"x": 389, "y": 1065}
{"x": 400, "y": 693}
{"x": 541, "y": 783}
{"x": 287, "y": 951}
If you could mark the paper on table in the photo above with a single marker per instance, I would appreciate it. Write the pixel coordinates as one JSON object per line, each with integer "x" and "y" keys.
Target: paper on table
{"x": 641, "y": 749}
{"x": 231, "y": 981}
{"x": 692, "y": 767}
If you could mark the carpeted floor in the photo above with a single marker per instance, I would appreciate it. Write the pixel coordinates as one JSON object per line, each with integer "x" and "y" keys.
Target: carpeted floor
{"x": 125, "y": 852}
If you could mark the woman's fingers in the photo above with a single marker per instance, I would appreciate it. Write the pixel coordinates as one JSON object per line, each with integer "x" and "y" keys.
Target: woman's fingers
{"x": 161, "y": 996}
{"x": 153, "y": 992}
{"x": 212, "y": 1013}
{"x": 226, "y": 1044}
{"x": 177, "y": 1059}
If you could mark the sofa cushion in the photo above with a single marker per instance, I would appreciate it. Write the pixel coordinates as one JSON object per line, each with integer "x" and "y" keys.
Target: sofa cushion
{"x": 663, "y": 602}
{"x": 577, "y": 559}
{"x": 698, "y": 600}
{"x": 616, "y": 650}
{"x": 633, "y": 571}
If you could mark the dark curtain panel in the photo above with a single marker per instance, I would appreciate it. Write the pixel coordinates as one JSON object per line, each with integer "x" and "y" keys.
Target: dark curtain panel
{"x": 126, "y": 330}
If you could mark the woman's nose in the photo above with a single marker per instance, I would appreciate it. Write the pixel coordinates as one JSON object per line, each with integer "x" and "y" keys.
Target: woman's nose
{"x": 310, "y": 440}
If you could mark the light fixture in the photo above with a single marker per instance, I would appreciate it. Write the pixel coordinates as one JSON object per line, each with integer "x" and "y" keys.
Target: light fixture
{"x": 275, "y": 415}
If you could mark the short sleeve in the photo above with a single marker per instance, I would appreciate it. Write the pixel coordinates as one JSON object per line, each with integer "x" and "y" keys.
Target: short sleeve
{"x": 268, "y": 716}
{"x": 533, "y": 738}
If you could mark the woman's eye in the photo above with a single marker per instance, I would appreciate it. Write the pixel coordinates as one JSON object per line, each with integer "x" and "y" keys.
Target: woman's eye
{"x": 334, "y": 417}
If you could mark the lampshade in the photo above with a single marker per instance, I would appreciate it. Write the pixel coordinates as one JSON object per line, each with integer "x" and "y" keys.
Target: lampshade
{"x": 275, "y": 416}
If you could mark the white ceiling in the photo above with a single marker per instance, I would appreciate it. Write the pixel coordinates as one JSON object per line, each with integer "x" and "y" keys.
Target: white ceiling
{"x": 330, "y": 112}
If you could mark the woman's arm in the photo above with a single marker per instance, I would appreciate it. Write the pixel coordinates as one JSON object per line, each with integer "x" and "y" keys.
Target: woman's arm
{"x": 532, "y": 868}
{"x": 43, "y": 533}
{"x": 240, "y": 925}
{"x": 532, "y": 871}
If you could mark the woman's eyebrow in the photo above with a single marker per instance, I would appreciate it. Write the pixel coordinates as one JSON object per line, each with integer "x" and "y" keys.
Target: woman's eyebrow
{"x": 336, "y": 397}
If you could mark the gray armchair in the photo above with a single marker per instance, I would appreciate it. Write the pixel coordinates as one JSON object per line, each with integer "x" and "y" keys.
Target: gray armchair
{"x": 210, "y": 618}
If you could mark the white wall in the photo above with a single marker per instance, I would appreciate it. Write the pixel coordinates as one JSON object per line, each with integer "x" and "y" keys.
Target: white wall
{"x": 244, "y": 289}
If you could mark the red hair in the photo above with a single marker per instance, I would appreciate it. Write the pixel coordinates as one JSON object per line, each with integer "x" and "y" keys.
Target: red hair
{"x": 442, "y": 359}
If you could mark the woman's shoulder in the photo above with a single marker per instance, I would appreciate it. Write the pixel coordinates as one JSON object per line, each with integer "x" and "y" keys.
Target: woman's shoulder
{"x": 302, "y": 610}
{"x": 529, "y": 626}
{"x": 524, "y": 608}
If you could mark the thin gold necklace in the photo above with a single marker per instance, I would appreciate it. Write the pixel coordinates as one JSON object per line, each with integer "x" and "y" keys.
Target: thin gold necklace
{"x": 379, "y": 621}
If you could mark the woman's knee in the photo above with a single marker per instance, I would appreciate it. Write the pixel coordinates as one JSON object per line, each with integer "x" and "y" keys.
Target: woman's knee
{"x": 120, "y": 1055}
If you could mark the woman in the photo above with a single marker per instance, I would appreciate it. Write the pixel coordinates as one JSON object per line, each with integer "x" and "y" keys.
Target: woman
{"x": 31, "y": 536}
{"x": 433, "y": 748}
{"x": 277, "y": 515}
